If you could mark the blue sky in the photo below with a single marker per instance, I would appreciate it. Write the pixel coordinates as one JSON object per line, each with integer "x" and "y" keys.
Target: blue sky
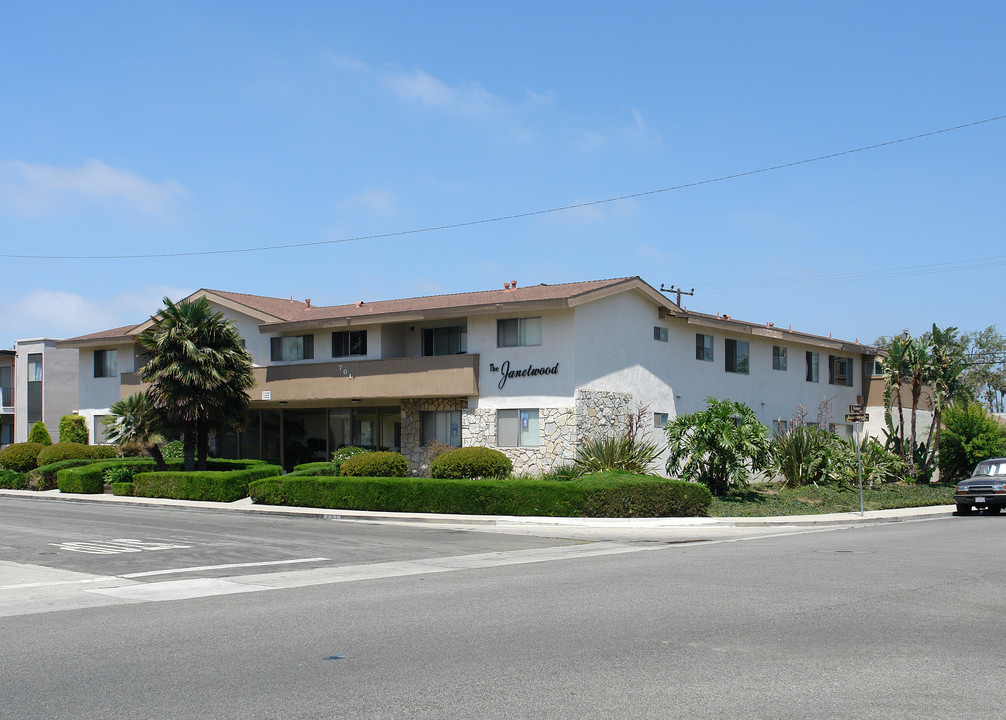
{"x": 183, "y": 127}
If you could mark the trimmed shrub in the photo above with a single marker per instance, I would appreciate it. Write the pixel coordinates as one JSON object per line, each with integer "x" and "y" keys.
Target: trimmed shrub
{"x": 208, "y": 485}
{"x": 10, "y": 480}
{"x": 44, "y": 476}
{"x": 74, "y": 451}
{"x": 123, "y": 489}
{"x": 315, "y": 469}
{"x": 20, "y": 457}
{"x": 470, "y": 462}
{"x": 91, "y": 478}
{"x": 609, "y": 494}
{"x": 624, "y": 452}
{"x": 39, "y": 434}
{"x": 375, "y": 464}
{"x": 72, "y": 429}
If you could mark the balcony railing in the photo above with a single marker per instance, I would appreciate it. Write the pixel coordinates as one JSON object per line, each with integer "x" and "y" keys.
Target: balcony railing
{"x": 390, "y": 379}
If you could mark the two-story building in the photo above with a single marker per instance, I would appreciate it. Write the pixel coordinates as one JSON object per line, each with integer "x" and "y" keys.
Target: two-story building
{"x": 529, "y": 370}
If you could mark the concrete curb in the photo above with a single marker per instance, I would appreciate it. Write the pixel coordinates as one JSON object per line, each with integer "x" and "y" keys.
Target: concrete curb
{"x": 245, "y": 506}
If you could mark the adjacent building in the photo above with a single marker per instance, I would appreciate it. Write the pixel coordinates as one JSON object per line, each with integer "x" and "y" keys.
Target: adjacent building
{"x": 6, "y": 397}
{"x": 531, "y": 370}
{"x": 46, "y": 384}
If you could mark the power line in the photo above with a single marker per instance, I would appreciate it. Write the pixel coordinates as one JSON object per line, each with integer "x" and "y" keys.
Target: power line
{"x": 503, "y": 218}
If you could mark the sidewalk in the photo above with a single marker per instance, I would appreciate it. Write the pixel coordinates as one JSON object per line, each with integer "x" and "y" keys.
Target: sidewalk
{"x": 246, "y": 506}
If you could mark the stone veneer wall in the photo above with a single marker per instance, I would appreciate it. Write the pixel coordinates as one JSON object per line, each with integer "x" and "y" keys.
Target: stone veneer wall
{"x": 412, "y": 430}
{"x": 558, "y": 438}
{"x": 601, "y": 412}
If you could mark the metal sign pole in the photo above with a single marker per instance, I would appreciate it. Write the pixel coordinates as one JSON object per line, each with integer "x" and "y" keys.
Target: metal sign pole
{"x": 859, "y": 464}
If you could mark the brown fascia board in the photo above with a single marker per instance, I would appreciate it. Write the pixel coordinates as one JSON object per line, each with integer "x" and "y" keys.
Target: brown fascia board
{"x": 416, "y": 315}
{"x": 488, "y": 308}
{"x": 744, "y": 328}
{"x": 218, "y": 300}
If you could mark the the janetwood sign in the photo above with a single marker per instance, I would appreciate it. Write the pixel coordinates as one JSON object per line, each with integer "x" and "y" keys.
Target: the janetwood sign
{"x": 530, "y": 371}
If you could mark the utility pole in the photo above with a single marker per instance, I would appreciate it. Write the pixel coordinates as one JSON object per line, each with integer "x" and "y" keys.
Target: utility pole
{"x": 678, "y": 291}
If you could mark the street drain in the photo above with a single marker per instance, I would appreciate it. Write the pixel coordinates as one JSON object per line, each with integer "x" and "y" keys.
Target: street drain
{"x": 335, "y": 657}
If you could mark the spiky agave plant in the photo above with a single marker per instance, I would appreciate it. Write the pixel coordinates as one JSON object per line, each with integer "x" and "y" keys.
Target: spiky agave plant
{"x": 616, "y": 452}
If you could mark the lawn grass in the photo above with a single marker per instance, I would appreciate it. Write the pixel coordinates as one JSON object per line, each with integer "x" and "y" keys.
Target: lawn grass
{"x": 764, "y": 501}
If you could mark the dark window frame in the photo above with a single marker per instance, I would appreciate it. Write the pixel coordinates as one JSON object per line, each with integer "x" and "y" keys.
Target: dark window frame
{"x": 349, "y": 343}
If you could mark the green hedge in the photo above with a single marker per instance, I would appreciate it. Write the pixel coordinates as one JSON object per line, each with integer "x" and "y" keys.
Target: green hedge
{"x": 470, "y": 462}
{"x": 91, "y": 478}
{"x": 122, "y": 488}
{"x": 12, "y": 480}
{"x": 44, "y": 477}
{"x": 209, "y": 485}
{"x": 20, "y": 457}
{"x": 609, "y": 494}
{"x": 315, "y": 468}
{"x": 375, "y": 464}
{"x": 74, "y": 451}
{"x": 72, "y": 428}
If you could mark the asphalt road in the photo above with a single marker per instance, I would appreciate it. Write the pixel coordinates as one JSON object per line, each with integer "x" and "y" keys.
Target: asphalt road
{"x": 894, "y": 621}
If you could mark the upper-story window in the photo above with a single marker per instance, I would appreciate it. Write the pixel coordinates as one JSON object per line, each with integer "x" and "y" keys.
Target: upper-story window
{"x": 703, "y": 347}
{"x": 515, "y": 332}
{"x": 296, "y": 347}
{"x": 349, "y": 342}
{"x": 813, "y": 365}
{"x": 445, "y": 340}
{"x": 105, "y": 363}
{"x": 659, "y": 333}
{"x": 840, "y": 370}
{"x": 34, "y": 408}
{"x": 737, "y": 356}
{"x": 778, "y": 358}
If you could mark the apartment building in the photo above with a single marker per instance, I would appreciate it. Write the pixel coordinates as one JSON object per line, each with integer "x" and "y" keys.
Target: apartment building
{"x": 529, "y": 370}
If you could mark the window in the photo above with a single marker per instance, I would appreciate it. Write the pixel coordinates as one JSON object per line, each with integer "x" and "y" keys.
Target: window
{"x": 778, "y": 358}
{"x": 516, "y": 332}
{"x": 7, "y": 434}
{"x": 349, "y": 342}
{"x": 780, "y": 426}
{"x": 104, "y": 363}
{"x": 812, "y": 366}
{"x": 35, "y": 367}
{"x": 517, "y": 428}
{"x": 441, "y": 426}
{"x": 445, "y": 340}
{"x": 659, "y": 420}
{"x": 660, "y": 333}
{"x": 703, "y": 347}
{"x": 100, "y": 431}
{"x": 840, "y": 370}
{"x": 298, "y": 347}
{"x": 736, "y": 356}
{"x": 34, "y": 388}
{"x": 6, "y": 386}
{"x": 878, "y": 367}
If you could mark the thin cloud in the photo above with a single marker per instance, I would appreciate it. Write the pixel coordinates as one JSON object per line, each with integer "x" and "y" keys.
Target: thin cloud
{"x": 376, "y": 200}
{"x": 36, "y": 189}
{"x": 63, "y": 314}
{"x": 424, "y": 89}
{"x": 638, "y": 134}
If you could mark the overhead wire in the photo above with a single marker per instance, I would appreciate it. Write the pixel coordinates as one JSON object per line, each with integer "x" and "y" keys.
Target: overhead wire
{"x": 504, "y": 218}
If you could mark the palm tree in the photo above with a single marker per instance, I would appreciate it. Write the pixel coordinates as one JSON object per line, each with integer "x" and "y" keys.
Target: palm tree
{"x": 133, "y": 420}
{"x": 947, "y": 363}
{"x": 198, "y": 372}
{"x": 895, "y": 374}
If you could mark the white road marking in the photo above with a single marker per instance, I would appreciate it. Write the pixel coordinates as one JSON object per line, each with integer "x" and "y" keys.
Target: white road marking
{"x": 201, "y": 568}
{"x": 114, "y": 547}
{"x": 149, "y": 573}
{"x": 177, "y": 590}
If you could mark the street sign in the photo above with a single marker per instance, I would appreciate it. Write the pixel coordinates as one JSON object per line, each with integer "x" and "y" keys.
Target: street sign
{"x": 857, "y": 417}
{"x": 856, "y": 409}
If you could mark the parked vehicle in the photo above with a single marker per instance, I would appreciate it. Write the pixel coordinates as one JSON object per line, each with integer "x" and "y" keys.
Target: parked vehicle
{"x": 984, "y": 490}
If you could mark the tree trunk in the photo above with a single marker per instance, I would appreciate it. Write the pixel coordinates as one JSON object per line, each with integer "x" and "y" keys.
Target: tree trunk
{"x": 203, "y": 436}
{"x": 189, "y": 448}
{"x": 155, "y": 452}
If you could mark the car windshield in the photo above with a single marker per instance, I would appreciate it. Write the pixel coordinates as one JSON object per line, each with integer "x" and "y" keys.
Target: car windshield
{"x": 991, "y": 467}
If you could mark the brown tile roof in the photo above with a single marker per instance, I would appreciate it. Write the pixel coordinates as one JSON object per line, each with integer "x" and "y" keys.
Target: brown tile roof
{"x": 531, "y": 293}
{"x": 745, "y": 326}
{"x": 113, "y": 334}
{"x": 280, "y": 308}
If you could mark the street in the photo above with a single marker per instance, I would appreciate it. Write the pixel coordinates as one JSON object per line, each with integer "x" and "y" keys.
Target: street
{"x": 367, "y": 620}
